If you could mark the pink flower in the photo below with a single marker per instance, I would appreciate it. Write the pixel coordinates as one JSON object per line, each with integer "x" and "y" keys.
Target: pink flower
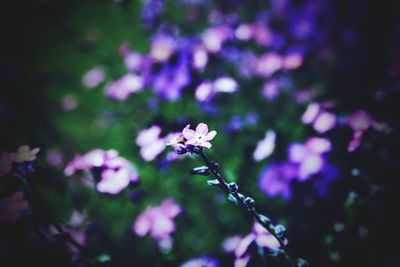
{"x": 162, "y": 47}
{"x": 122, "y": 88}
{"x": 93, "y": 77}
{"x": 309, "y": 156}
{"x": 116, "y": 172}
{"x": 151, "y": 145}
{"x": 322, "y": 121}
{"x": 213, "y": 38}
{"x": 200, "y": 137}
{"x": 24, "y": 153}
{"x": 268, "y": 64}
{"x": 157, "y": 221}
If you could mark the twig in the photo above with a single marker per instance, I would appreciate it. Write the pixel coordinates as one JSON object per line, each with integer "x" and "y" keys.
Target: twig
{"x": 246, "y": 202}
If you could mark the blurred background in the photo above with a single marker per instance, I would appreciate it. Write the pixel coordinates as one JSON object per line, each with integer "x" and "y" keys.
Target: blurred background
{"x": 304, "y": 96}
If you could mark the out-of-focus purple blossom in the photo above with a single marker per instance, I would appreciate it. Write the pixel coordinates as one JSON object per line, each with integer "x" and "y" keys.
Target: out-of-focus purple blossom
{"x": 116, "y": 172}
{"x": 271, "y": 89}
{"x": 239, "y": 246}
{"x": 244, "y": 32}
{"x": 231, "y": 243}
{"x": 268, "y": 64}
{"x": 302, "y": 27}
{"x": 292, "y": 61}
{"x": 199, "y": 57}
{"x": 247, "y": 64}
{"x": 328, "y": 175}
{"x": 276, "y": 179}
{"x": 170, "y": 81}
{"x": 201, "y": 262}
{"x": 162, "y": 47}
{"x": 359, "y": 121}
{"x": 323, "y": 121}
{"x": 213, "y": 38}
{"x": 69, "y": 102}
{"x": 151, "y": 10}
{"x": 151, "y": 145}
{"x": 311, "y": 113}
{"x": 309, "y": 156}
{"x": 225, "y": 85}
{"x": 262, "y": 35}
{"x": 200, "y": 137}
{"x": 136, "y": 62}
{"x": 265, "y": 147}
{"x": 122, "y": 88}
{"x": 54, "y": 157}
{"x": 158, "y": 222}
{"x": 206, "y": 90}
{"x": 252, "y": 118}
{"x": 13, "y": 207}
{"x": 93, "y": 77}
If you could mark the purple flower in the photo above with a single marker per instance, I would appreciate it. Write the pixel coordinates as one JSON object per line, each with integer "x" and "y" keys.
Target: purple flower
{"x": 292, "y": 61}
{"x": 271, "y": 89}
{"x": 151, "y": 145}
{"x": 122, "y": 88}
{"x": 213, "y": 38}
{"x": 93, "y": 77}
{"x": 116, "y": 172}
{"x": 268, "y": 64}
{"x": 199, "y": 57}
{"x": 201, "y": 262}
{"x": 171, "y": 80}
{"x": 151, "y": 10}
{"x": 308, "y": 156}
{"x": 276, "y": 179}
{"x": 322, "y": 121}
{"x": 162, "y": 47}
{"x": 158, "y": 221}
{"x": 200, "y": 137}
{"x": 206, "y": 90}
{"x": 225, "y": 85}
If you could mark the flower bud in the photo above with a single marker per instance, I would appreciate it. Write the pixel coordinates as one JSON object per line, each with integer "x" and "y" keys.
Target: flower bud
{"x": 249, "y": 202}
{"x": 203, "y": 170}
{"x": 233, "y": 187}
{"x": 280, "y": 230}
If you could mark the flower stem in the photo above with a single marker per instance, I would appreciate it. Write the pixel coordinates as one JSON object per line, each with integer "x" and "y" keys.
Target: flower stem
{"x": 245, "y": 202}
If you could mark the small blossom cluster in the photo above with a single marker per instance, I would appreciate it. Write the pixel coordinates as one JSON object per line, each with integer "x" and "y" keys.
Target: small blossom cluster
{"x": 200, "y": 137}
{"x": 305, "y": 160}
{"x": 158, "y": 222}
{"x": 23, "y": 154}
{"x": 116, "y": 173}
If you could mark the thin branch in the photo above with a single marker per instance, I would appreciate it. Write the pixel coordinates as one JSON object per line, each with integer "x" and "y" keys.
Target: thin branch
{"x": 246, "y": 202}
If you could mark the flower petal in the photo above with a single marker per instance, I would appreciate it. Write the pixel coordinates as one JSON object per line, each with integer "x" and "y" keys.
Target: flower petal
{"x": 210, "y": 136}
{"x": 202, "y": 128}
{"x": 206, "y": 144}
{"x": 188, "y": 133}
